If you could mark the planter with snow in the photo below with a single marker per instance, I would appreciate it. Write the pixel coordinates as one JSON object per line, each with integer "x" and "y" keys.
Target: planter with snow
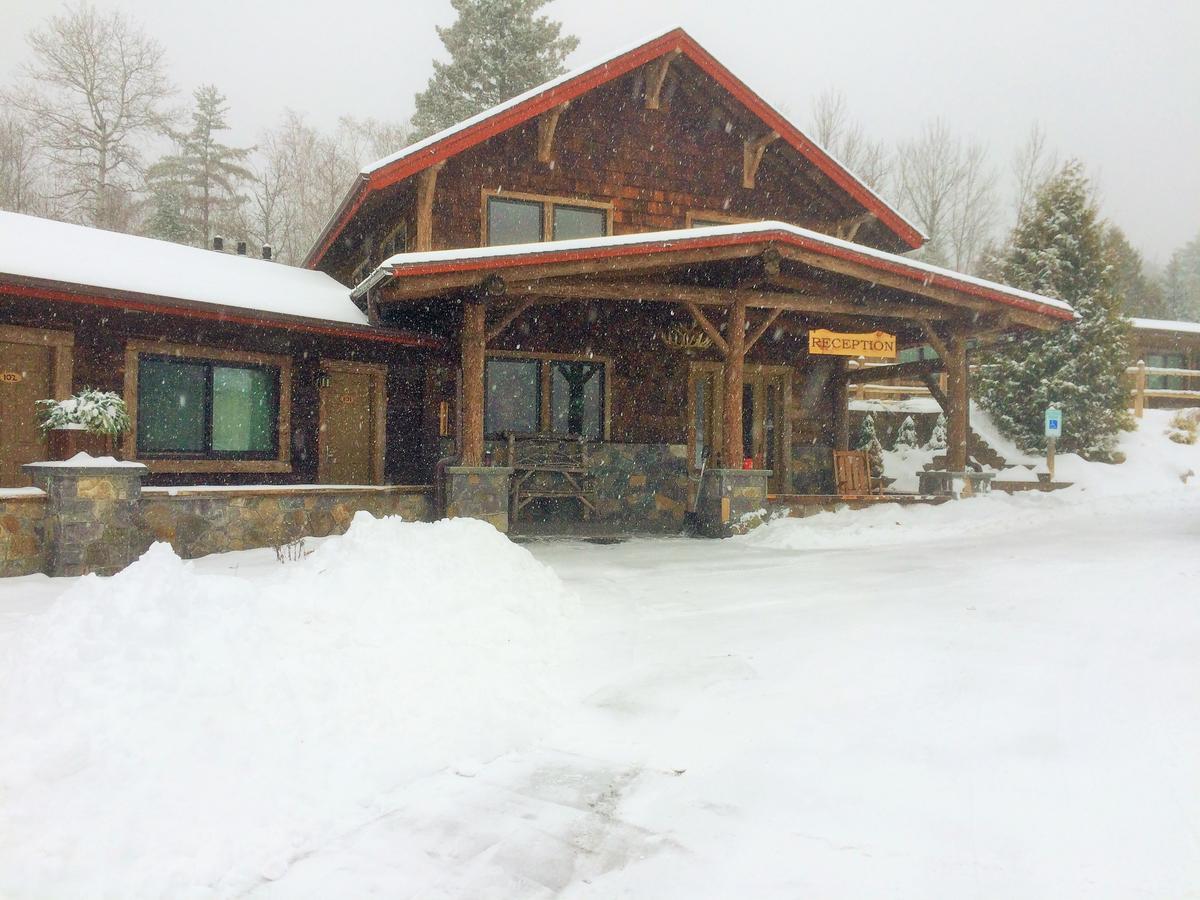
{"x": 90, "y": 422}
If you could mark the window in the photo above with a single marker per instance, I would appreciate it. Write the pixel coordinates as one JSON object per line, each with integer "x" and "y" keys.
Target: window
{"x": 528, "y": 395}
{"x": 1165, "y": 361}
{"x": 522, "y": 219}
{"x": 513, "y": 400}
{"x": 577, "y": 399}
{"x": 195, "y": 408}
{"x": 514, "y": 221}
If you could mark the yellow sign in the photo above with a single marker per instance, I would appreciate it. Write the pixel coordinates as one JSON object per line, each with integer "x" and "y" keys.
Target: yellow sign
{"x": 876, "y": 344}
{"x": 11, "y": 377}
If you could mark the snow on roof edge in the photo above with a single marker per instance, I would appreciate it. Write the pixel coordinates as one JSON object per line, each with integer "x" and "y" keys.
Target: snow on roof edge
{"x": 685, "y": 234}
{"x": 1166, "y": 325}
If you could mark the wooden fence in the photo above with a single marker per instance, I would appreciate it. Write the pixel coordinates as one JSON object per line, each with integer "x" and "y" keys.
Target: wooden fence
{"x": 1141, "y": 392}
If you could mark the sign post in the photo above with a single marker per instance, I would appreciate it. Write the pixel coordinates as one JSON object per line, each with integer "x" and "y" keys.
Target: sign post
{"x": 1053, "y": 432}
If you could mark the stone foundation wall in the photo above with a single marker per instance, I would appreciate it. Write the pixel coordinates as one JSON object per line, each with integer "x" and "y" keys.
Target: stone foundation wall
{"x": 199, "y": 521}
{"x": 22, "y": 541}
{"x": 642, "y": 485}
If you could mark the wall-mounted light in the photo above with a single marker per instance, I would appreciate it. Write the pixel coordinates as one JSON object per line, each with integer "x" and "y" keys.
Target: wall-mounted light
{"x": 323, "y": 379}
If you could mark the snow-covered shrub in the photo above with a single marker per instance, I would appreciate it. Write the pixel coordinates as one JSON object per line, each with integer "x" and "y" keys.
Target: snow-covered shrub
{"x": 937, "y": 440}
{"x": 100, "y": 412}
{"x": 906, "y": 435}
{"x": 1185, "y": 426}
{"x": 868, "y": 440}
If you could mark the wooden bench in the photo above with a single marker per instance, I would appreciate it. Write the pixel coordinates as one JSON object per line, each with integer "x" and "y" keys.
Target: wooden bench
{"x": 852, "y": 474}
{"x": 553, "y": 466}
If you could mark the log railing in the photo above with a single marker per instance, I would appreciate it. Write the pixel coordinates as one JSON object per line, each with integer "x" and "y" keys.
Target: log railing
{"x": 1141, "y": 375}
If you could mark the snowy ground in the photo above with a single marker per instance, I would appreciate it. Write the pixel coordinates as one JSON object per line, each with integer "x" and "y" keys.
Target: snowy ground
{"x": 990, "y": 699}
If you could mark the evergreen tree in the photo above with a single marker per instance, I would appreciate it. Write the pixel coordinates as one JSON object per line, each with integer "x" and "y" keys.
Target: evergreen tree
{"x": 1182, "y": 287}
{"x": 204, "y": 172}
{"x": 906, "y": 435}
{"x": 498, "y": 49}
{"x": 937, "y": 440}
{"x": 1058, "y": 249}
{"x": 868, "y": 441}
{"x": 168, "y": 219}
{"x": 1139, "y": 294}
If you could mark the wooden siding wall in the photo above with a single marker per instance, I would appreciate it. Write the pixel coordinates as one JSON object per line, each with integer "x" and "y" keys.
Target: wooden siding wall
{"x": 100, "y": 338}
{"x": 655, "y": 166}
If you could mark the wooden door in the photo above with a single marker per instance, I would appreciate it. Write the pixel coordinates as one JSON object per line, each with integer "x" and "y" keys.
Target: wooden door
{"x": 26, "y": 376}
{"x": 351, "y": 424}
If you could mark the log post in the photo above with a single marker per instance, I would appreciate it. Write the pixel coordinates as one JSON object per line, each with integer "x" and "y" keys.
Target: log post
{"x": 1139, "y": 389}
{"x": 841, "y": 408}
{"x": 735, "y": 359}
{"x": 958, "y": 424}
{"x": 474, "y": 346}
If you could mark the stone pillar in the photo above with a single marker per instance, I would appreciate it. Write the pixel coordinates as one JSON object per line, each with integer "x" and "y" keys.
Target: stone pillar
{"x": 478, "y": 492}
{"x": 93, "y": 522}
{"x": 731, "y": 500}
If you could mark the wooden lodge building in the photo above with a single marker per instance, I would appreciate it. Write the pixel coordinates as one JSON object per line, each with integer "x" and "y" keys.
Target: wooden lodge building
{"x": 619, "y": 275}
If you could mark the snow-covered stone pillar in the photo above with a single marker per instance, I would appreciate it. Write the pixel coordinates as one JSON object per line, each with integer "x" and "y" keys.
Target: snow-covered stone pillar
{"x": 731, "y": 501}
{"x": 92, "y": 521}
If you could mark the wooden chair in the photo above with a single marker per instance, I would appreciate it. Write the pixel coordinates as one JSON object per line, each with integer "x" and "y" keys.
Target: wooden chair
{"x": 852, "y": 473}
{"x": 550, "y": 465}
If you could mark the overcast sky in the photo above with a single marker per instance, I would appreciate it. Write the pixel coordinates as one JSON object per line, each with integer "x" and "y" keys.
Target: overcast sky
{"x": 1115, "y": 83}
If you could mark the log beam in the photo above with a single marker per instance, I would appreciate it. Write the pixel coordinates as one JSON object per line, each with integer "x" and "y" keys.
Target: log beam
{"x": 426, "y": 187}
{"x": 759, "y": 331}
{"x": 656, "y": 76}
{"x": 474, "y": 350}
{"x": 511, "y": 316}
{"x": 708, "y": 328}
{"x": 547, "y": 124}
{"x": 731, "y": 456}
{"x": 752, "y": 154}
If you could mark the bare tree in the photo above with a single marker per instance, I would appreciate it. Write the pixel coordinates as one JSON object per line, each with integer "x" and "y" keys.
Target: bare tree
{"x": 302, "y": 174}
{"x": 95, "y": 88}
{"x": 1032, "y": 166}
{"x": 835, "y": 129}
{"x": 20, "y": 184}
{"x": 948, "y": 189}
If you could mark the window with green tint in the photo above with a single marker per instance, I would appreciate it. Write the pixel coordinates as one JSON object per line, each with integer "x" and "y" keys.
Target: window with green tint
{"x": 193, "y": 408}
{"x": 171, "y": 406}
{"x": 570, "y": 222}
{"x": 245, "y": 410}
{"x": 514, "y": 221}
{"x": 513, "y": 396}
{"x": 577, "y": 399}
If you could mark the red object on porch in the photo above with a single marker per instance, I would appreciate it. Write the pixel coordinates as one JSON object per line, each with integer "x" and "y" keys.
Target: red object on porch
{"x": 748, "y": 462}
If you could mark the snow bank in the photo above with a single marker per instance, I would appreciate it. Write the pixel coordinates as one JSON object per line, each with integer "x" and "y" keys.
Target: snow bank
{"x": 172, "y": 731}
{"x": 1154, "y": 465}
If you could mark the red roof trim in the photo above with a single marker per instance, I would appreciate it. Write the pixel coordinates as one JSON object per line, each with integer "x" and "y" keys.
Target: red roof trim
{"x": 494, "y": 263}
{"x": 676, "y": 40}
{"x": 218, "y": 314}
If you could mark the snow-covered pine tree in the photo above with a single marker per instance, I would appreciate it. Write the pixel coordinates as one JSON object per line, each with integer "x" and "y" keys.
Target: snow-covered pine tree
{"x": 868, "y": 440}
{"x": 906, "y": 435}
{"x": 168, "y": 220}
{"x": 937, "y": 440}
{"x": 207, "y": 174}
{"x": 1058, "y": 249}
{"x": 498, "y": 49}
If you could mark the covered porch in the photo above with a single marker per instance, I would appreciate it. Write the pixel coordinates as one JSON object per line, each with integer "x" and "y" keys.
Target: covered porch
{"x": 692, "y": 347}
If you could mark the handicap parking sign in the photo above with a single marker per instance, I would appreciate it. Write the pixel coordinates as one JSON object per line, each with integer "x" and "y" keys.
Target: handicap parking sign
{"x": 1053, "y": 422}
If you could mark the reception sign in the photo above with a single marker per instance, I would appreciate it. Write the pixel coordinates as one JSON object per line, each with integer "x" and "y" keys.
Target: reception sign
{"x": 875, "y": 344}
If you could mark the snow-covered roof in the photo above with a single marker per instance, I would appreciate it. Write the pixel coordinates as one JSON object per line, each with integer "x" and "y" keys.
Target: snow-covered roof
{"x": 509, "y": 113}
{"x": 46, "y": 250}
{"x": 415, "y": 264}
{"x": 1166, "y": 325}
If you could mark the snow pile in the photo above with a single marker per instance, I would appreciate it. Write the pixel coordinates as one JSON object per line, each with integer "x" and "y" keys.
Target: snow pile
{"x": 178, "y": 732}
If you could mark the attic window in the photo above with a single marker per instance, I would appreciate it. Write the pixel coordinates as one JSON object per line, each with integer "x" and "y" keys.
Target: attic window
{"x": 530, "y": 219}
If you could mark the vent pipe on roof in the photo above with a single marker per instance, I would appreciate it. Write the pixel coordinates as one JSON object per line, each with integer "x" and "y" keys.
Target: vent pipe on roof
{"x": 241, "y": 248}
{"x": 219, "y": 244}
{"x": 266, "y": 251}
